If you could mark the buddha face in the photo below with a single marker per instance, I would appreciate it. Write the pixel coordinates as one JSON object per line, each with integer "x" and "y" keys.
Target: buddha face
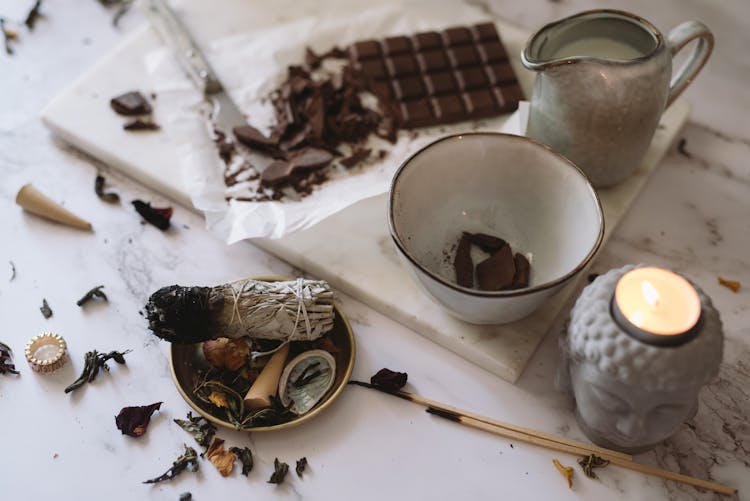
{"x": 627, "y": 417}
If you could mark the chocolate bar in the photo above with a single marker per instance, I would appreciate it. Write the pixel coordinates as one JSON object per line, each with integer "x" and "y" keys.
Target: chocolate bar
{"x": 433, "y": 78}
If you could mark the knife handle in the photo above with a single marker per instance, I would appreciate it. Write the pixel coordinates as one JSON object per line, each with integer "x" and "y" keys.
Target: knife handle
{"x": 171, "y": 29}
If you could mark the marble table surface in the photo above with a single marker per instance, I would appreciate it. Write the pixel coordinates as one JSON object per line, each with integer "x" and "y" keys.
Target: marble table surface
{"x": 691, "y": 217}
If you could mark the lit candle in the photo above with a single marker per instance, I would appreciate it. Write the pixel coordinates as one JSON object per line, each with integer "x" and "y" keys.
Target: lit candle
{"x": 656, "y": 306}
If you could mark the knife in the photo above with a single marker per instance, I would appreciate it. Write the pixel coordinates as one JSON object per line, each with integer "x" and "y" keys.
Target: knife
{"x": 225, "y": 115}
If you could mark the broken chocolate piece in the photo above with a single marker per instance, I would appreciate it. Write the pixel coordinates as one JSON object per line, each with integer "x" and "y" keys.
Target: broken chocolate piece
{"x": 253, "y": 138}
{"x": 140, "y": 124}
{"x": 310, "y": 158}
{"x": 487, "y": 243}
{"x": 463, "y": 263}
{"x": 497, "y": 271}
{"x": 523, "y": 268}
{"x": 357, "y": 156}
{"x": 130, "y": 103}
{"x": 276, "y": 173}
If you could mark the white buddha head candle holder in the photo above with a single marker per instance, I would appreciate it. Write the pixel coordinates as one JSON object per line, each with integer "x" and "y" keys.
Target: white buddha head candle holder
{"x": 641, "y": 343}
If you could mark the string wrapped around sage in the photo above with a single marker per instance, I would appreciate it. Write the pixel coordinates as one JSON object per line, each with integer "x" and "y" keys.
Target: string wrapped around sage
{"x": 297, "y": 310}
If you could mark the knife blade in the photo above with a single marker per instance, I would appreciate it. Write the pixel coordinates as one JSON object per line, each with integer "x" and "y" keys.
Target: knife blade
{"x": 225, "y": 113}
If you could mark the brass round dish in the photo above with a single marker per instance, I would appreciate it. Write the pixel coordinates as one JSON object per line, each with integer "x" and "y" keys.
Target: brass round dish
{"x": 186, "y": 360}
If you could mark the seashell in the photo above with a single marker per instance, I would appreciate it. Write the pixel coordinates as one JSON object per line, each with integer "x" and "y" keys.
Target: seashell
{"x": 301, "y": 396}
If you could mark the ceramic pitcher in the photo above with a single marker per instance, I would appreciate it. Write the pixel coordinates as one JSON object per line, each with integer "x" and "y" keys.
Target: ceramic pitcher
{"x": 604, "y": 79}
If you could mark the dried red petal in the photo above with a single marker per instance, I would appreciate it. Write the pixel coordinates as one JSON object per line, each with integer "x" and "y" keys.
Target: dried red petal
{"x": 159, "y": 217}
{"x": 389, "y": 380}
{"x": 133, "y": 421}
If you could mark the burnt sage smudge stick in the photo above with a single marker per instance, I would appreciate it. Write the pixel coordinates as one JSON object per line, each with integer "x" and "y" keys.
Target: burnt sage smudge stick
{"x": 295, "y": 310}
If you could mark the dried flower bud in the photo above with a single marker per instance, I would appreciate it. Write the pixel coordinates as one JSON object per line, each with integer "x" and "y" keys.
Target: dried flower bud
{"x": 225, "y": 352}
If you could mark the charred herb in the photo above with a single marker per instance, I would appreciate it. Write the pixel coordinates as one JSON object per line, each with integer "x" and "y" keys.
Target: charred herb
{"x": 245, "y": 455}
{"x": 9, "y": 36}
{"x": 96, "y": 292}
{"x": 33, "y": 15}
{"x": 94, "y": 361}
{"x": 109, "y": 197}
{"x": 133, "y": 421}
{"x": 279, "y": 472}
{"x": 301, "y": 465}
{"x": 203, "y": 431}
{"x": 159, "y": 217}
{"x": 188, "y": 461}
{"x": 6, "y": 360}
{"x": 45, "y": 309}
{"x": 389, "y": 380}
{"x": 588, "y": 463}
{"x": 12, "y": 271}
{"x": 121, "y": 6}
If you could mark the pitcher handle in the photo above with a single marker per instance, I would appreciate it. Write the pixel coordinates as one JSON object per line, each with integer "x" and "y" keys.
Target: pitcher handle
{"x": 676, "y": 40}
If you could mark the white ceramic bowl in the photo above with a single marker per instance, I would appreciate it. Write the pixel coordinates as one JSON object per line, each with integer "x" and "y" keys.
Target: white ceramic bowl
{"x": 504, "y": 185}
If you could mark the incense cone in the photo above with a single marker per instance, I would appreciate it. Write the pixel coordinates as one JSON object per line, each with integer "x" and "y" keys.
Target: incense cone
{"x": 34, "y": 201}
{"x": 267, "y": 384}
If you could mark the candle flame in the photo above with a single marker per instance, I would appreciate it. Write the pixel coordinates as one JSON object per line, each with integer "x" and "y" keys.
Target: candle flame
{"x": 650, "y": 294}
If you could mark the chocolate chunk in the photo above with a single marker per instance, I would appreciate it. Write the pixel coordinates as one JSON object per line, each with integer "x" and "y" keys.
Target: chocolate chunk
{"x": 277, "y": 172}
{"x": 487, "y": 243}
{"x": 139, "y": 124}
{"x": 467, "y": 62}
{"x": 523, "y": 268}
{"x": 463, "y": 263}
{"x": 252, "y": 137}
{"x": 130, "y": 103}
{"x": 357, "y": 156}
{"x": 310, "y": 158}
{"x": 496, "y": 272}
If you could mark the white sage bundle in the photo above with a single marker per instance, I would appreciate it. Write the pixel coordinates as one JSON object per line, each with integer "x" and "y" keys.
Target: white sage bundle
{"x": 298, "y": 310}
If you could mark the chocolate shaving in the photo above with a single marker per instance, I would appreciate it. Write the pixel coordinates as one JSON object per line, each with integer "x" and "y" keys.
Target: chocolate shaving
{"x": 133, "y": 421}
{"x": 357, "y": 156}
{"x": 109, "y": 197}
{"x": 159, "y": 217}
{"x": 130, "y": 103}
{"x": 139, "y": 124}
{"x": 389, "y": 380}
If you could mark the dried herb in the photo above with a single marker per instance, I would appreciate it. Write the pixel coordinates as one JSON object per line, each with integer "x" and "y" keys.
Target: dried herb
{"x": 389, "y": 380}
{"x": 139, "y": 124}
{"x": 45, "y": 309}
{"x": 159, "y": 217}
{"x": 109, "y": 197}
{"x": 186, "y": 496}
{"x": 221, "y": 458}
{"x": 189, "y": 460}
{"x": 133, "y": 421}
{"x": 122, "y": 8}
{"x": 567, "y": 472}
{"x": 588, "y": 463}
{"x": 9, "y": 35}
{"x": 279, "y": 472}
{"x": 307, "y": 376}
{"x": 33, "y": 15}
{"x": 301, "y": 465}
{"x": 732, "y": 285}
{"x": 12, "y": 271}
{"x": 92, "y": 362}
{"x": 96, "y": 292}
{"x": 203, "y": 431}
{"x": 6, "y": 360}
{"x": 245, "y": 456}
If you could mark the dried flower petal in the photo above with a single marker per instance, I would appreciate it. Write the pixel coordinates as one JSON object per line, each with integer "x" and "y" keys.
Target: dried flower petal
{"x": 389, "y": 380}
{"x": 221, "y": 458}
{"x": 567, "y": 472}
{"x": 732, "y": 285}
{"x": 133, "y": 421}
{"x": 218, "y": 398}
{"x": 225, "y": 352}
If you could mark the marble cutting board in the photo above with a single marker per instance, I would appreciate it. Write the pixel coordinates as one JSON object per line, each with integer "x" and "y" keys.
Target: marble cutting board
{"x": 352, "y": 249}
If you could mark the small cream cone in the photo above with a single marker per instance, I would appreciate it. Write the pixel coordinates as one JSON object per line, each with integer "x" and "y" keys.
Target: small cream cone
{"x": 267, "y": 384}
{"x": 34, "y": 201}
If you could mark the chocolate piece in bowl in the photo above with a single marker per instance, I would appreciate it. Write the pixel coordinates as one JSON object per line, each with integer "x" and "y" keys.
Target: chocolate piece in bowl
{"x": 463, "y": 262}
{"x": 523, "y": 270}
{"x": 487, "y": 243}
{"x": 432, "y": 78}
{"x": 496, "y": 272}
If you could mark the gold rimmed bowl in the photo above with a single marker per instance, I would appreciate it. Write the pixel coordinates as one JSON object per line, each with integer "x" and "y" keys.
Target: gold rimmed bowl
{"x": 187, "y": 362}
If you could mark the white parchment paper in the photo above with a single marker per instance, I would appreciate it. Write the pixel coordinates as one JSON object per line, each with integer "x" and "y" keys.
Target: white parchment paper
{"x": 250, "y": 66}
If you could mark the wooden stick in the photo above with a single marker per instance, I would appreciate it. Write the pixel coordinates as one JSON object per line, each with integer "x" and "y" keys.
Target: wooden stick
{"x": 588, "y": 448}
{"x": 578, "y": 451}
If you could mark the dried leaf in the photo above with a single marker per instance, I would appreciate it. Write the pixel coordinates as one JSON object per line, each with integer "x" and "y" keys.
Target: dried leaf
{"x": 301, "y": 465}
{"x": 133, "y": 421}
{"x": 201, "y": 429}
{"x": 567, "y": 472}
{"x": 33, "y": 15}
{"x": 245, "y": 456}
{"x": 732, "y": 285}
{"x": 109, "y": 197}
{"x": 279, "y": 472}
{"x": 6, "y": 360}
{"x": 389, "y": 380}
{"x": 221, "y": 458}
{"x": 219, "y": 399}
{"x": 45, "y": 309}
{"x": 588, "y": 463}
{"x": 189, "y": 460}
{"x": 159, "y": 217}
{"x": 92, "y": 362}
{"x": 96, "y": 292}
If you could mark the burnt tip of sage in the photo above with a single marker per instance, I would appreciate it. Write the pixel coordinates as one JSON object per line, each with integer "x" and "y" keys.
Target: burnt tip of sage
{"x": 182, "y": 315}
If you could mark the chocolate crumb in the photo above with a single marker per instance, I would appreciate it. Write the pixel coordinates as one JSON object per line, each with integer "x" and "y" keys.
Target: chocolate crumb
{"x": 357, "y": 156}
{"x": 130, "y": 103}
{"x": 463, "y": 263}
